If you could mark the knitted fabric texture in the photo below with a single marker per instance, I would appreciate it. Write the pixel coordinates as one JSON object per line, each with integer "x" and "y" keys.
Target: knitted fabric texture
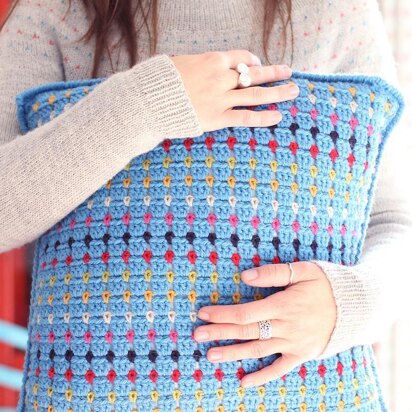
{"x": 118, "y": 282}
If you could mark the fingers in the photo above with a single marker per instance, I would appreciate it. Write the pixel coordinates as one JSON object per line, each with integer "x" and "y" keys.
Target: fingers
{"x": 247, "y": 350}
{"x": 277, "y": 369}
{"x": 233, "y": 331}
{"x": 250, "y": 118}
{"x": 272, "y": 274}
{"x": 259, "y": 75}
{"x": 276, "y": 274}
{"x": 244, "y": 313}
{"x": 262, "y": 95}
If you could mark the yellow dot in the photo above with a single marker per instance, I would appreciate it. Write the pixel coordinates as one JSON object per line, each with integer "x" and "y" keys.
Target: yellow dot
{"x": 199, "y": 394}
{"x": 133, "y": 396}
{"x": 274, "y": 184}
{"x": 283, "y": 407}
{"x": 236, "y": 296}
{"x": 90, "y": 397}
{"x": 127, "y": 295}
{"x": 154, "y": 395}
{"x": 192, "y": 276}
{"x": 241, "y": 391}
{"x": 148, "y": 295}
{"x": 111, "y": 396}
{"x": 220, "y": 393}
{"x": 214, "y": 277}
{"x": 352, "y": 90}
{"x": 170, "y": 276}
{"x": 86, "y": 277}
{"x": 192, "y": 296}
{"x": 214, "y": 296}
{"x": 282, "y": 391}
{"x": 68, "y": 394}
{"x": 148, "y": 275}
{"x": 170, "y": 295}
{"x": 253, "y": 183}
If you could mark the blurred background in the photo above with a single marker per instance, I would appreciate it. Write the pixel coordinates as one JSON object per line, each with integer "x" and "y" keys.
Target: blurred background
{"x": 393, "y": 352}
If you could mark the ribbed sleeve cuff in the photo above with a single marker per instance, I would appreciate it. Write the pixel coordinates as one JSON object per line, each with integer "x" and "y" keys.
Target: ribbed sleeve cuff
{"x": 165, "y": 104}
{"x": 358, "y": 297}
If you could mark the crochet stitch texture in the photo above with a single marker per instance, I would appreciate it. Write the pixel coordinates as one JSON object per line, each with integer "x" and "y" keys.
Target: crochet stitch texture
{"x": 118, "y": 282}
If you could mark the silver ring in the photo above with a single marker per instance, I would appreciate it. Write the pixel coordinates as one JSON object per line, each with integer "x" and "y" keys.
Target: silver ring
{"x": 265, "y": 329}
{"x": 244, "y": 77}
{"x": 292, "y": 273}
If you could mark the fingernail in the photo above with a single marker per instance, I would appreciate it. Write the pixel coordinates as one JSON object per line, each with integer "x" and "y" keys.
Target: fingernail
{"x": 286, "y": 70}
{"x": 215, "y": 355}
{"x": 257, "y": 60}
{"x": 247, "y": 383}
{"x": 293, "y": 90}
{"x": 203, "y": 315}
{"x": 201, "y": 335}
{"x": 249, "y": 274}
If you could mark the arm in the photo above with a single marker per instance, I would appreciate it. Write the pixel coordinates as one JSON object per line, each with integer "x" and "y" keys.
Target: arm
{"x": 370, "y": 295}
{"x": 49, "y": 171}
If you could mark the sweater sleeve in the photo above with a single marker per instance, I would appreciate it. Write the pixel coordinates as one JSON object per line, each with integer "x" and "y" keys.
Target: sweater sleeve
{"x": 372, "y": 294}
{"x": 49, "y": 171}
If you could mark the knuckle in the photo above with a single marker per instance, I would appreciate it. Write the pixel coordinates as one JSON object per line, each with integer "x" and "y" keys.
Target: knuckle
{"x": 214, "y": 57}
{"x": 257, "y": 93}
{"x": 257, "y": 349}
{"x": 276, "y": 71}
{"x": 246, "y": 53}
{"x": 246, "y": 332}
{"x": 247, "y": 117}
{"x": 258, "y": 72}
{"x": 277, "y": 93}
{"x": 215, "y": 333}
{"x": 242, "y": 317}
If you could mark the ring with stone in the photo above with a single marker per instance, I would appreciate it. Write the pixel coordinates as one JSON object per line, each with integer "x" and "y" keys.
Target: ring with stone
{"x": 244, "y": 76}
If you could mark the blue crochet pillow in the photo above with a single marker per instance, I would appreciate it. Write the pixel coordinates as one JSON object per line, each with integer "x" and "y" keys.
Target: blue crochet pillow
{"x": 117, "y": 282}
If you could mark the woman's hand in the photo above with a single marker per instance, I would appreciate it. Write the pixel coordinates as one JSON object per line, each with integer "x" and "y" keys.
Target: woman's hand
{"x": 303, "y": 317}
{"x": 211, "y": 81}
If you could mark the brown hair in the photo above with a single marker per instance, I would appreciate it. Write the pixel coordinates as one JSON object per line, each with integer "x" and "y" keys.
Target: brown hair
{"x": 105, "y": 14}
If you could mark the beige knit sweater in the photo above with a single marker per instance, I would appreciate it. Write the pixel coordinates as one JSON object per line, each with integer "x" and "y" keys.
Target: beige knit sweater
{"x": 73, "y": 155}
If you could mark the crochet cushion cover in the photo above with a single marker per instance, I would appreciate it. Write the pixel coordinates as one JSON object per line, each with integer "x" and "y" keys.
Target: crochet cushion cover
{"x": 117, "y": 283}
